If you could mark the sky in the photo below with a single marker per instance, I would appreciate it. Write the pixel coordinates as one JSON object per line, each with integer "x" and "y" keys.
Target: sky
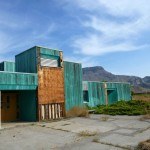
{"x": 114, "y": 34}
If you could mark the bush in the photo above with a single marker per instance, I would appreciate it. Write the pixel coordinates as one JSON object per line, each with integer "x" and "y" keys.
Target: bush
{"x": 124, "y": 108}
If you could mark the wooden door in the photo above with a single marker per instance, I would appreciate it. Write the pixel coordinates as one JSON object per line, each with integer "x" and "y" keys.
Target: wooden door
{"x": 9, "y": 107}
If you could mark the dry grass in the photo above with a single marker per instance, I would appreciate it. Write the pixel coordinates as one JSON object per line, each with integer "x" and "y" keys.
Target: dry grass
{"x": 96, "y": 140}
{"x": 104, "y": 118}
{"x": 145, "y": 145}
{"x": 145, "y": 117}
{"x": 143, "y": 97}
{"x": 87, "y": 133}
{"x": 78, "y": 112}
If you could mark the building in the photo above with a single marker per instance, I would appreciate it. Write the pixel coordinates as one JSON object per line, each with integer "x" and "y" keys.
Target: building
{"x": 39, "y": 85}
{"x": 103, "y": 93}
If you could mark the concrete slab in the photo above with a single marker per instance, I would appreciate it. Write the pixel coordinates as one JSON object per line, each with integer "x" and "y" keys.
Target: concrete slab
{"x": 118, "y": 131}
{"x": 125, "y": 131}
{"x": 121, "y": 140}
{"x": 89, "y": 146}
{"x": 138, "y": 125}
{"x": 34, "y": 138}
{"x": 124, "y": 140}
{"x": 77, "y": 125}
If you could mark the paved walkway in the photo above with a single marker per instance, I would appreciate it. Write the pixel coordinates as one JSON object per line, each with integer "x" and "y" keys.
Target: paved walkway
{"x": 111, "y": 133}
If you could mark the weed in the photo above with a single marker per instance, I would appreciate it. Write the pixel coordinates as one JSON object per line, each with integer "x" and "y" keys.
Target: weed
{"x": 78, "y": 112}
{"x": 105, "y": 118}
{"x": 145, "y": 117}
{"x": 87, "y": 133}
{"x": 145, "y": 145}
{"x": 96, "y": 140}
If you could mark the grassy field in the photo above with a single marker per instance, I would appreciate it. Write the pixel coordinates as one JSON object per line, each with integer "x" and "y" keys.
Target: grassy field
{"x": 143, "y": 97}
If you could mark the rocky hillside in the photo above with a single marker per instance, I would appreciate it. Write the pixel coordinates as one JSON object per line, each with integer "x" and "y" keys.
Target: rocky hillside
{"x": 98, "y": 73}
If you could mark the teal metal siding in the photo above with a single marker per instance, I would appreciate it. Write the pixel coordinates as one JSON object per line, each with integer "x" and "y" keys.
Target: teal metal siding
{"x": 112, "y": 95}
{"x": 27, "y": 105}
{"x": 113, "y": 92}
{"x": 73, "y": 85}
{"x": 123, "y": 90}
{"x": 18, "y": 81}
{"x": 27, "y": 61}
{"x": 96, "y": 93}
{"x": 7, "y": 66}
{"x": 48, "y": 52}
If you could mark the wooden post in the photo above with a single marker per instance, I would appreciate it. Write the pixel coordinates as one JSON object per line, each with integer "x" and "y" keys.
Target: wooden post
{"x": 106, "y": 96}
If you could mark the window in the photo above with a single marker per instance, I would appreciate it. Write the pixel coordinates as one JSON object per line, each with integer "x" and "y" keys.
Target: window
{"x": 86, "y": 96}
{"x": 49, "y": 62}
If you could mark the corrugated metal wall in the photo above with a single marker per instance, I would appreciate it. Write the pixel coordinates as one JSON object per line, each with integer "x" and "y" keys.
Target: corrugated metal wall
{"x": 45, "y": 52}
{"x": 27, "y": 61}
{"x": 96, "y": 93}
{"x": 27, "y": 105}
{"x": 18, "y": 81}
{"x": 73, "y": 84}
{"x": 7, "y": 66}
{"x": 123, "y": 90}
{"x": 101, "y": 93}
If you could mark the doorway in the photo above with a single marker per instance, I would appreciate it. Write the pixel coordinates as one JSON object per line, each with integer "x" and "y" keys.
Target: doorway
{"x": 112, "y": 96}
{"x": 9, "y": 107}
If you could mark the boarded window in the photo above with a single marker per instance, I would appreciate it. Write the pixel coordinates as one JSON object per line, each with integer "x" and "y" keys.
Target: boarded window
{"x": 49, "y": 62}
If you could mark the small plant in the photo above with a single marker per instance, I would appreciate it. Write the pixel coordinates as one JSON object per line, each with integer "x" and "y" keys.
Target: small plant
{"x": 96, "y": 140}
{"x": 145, "y": 145}
{"x": 105, "y": 118}
{"x": 145, "y": 117}
{"x": 78, "y": 112}
{"x": 87, "y": 133}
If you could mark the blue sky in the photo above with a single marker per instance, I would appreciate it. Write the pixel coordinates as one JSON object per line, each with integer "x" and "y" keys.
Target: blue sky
{"x": 114, "y": 34}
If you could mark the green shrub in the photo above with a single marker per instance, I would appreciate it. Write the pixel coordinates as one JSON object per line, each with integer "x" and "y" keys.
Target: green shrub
{"x": 124, "y": 108}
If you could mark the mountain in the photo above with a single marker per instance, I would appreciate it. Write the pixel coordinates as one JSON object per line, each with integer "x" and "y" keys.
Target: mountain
{"x": 98, "y": 73}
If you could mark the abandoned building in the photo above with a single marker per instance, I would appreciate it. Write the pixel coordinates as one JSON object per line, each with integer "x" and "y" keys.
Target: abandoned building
{"x": 103, "y": 93}
{"x": 39, "y": 85}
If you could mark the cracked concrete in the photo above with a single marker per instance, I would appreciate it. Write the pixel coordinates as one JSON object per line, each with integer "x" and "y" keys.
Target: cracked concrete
{"x": 115, "y": 133}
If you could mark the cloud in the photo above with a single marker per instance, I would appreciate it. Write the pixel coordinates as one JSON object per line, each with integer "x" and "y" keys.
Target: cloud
{"x": 112, "y": 26}
{"x": 85, "y": 61}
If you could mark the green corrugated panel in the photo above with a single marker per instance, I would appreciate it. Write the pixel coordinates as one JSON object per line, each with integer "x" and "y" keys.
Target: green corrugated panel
{"x": 73, "y": 85}
{"x": 18, "y": 81}
{"x": 27, "y": 105}
{"x": 112, "y": 95}
{"x": 96, "y": 93}
{"x": 27, "y": 61}
{"x": 47, "y": 51}
{"x": 7, "y": 66}
{"x": 115, "y": 92}
{"x": 123, "y": 90}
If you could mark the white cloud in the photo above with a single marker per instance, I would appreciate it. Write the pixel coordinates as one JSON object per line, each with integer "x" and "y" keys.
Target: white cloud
{"x": 85, "y": 61}
{"x": 111, "y": 35}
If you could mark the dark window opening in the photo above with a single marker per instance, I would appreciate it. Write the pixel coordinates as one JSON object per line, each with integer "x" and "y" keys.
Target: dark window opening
{"x": 86, "y": 96}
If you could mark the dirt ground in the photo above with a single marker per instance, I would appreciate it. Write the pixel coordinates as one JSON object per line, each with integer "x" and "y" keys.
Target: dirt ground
{"x": 99, "y": 132}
